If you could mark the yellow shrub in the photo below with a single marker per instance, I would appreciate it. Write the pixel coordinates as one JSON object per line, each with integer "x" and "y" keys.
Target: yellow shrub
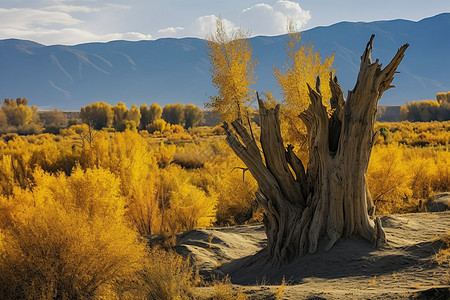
{"x": 50, "y": 250}
{"x": 418, "y": 134}
{"x": 440, "y": 181}
{"x": 166, "y": 202}
{"x": 192, "y": 208}
{"x": 125, "y": 154}
{"x": 164, "y": 155}
{"x": 235, "y": 195}
{"x": 224, "y": 290}
{"x": 157, "y": 125}
{"x": 166, "y": 275}
{"x": 400, "y": 177}
{"x": 15, "y": 163}
{"x": 143, "y": 210}
{"x": 389, "y": 181}
{"x": 7, "y": 175}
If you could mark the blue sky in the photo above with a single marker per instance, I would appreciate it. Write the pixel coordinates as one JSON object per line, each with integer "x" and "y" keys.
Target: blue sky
{"x": 79, "y": 21}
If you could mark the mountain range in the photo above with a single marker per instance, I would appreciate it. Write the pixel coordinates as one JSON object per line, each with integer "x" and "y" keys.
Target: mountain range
{"x": 177, "y": 70}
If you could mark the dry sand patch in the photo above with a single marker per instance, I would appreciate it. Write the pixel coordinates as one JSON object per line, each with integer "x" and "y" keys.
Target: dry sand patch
{"x": 353, "y": 269}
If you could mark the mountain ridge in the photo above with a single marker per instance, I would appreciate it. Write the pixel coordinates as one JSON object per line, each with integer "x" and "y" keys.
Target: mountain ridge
{"x": 171, "y": 70}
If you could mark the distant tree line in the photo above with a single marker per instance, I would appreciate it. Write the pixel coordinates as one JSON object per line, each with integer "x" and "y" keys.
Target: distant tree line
{"x": 100, "y": 115}
{"x": 427, "y": 110}
{"x": 17, "y": 117}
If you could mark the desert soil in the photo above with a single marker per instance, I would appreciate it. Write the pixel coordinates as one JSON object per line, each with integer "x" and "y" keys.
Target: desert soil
{"x": 405, "y": 269}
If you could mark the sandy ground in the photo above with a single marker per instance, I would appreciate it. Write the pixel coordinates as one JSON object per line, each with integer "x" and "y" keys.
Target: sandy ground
{"x": 405, "y": 269}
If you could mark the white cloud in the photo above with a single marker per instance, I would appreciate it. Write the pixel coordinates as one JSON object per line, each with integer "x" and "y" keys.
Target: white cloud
{"x": 173, "y": 32}
{"x": 135, "y": 36}
{"x": 70, "y": 36}
{"x": 264, "y": 19}
{"x": 71, "y": 8}
{"x": 262, "y": 6}
{"x": 23, "y": 18}
{"x": 170, "y": 30}
{"x": 293, "y": 11}
{"x": 55, "y": 24}
{"x": 206, "y": 25}
{"x": 118, "y": 6}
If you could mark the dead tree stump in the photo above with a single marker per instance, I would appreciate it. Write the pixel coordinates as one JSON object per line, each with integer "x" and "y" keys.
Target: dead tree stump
{"x": 330, "y": 198}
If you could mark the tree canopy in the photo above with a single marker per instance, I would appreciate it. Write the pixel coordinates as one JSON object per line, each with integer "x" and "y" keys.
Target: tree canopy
{"x": 232, "y": 67}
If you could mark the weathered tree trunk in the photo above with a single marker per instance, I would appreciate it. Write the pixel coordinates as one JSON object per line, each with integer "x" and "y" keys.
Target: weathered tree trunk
{"x": 330, "y": 199}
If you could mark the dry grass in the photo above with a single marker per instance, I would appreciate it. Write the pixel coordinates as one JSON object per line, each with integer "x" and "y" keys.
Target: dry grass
{"x": 167, "y": 275}
{"x": 224, "y": 290}
{"x": 279, "y": 292}
{"x": 443, "y": 256}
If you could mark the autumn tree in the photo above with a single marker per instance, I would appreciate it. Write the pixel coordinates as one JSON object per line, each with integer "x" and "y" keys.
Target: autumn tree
{"x": 134, "y": 114}
{"x": 173, "y": 113}
{"x": 3, "y": 122}
{"x": 444, "y": 105}
{"x": 56, "y": 118}
{"x": 149, "y": 114}
{"x": 232, "y": 72}
{"x": 120, "y": 112}
{"x": 17, "y": 112}
{"x": 328, "y": 198}
{"x": 97, "y": 115}
{"x": 302, "y": 67}
{"x": 157, "y": 125}
{"x": 193, "y": 115}
{"x": 155, "y": 112}
{"x": 443, "y": 97}
{"x": 125, "y": 118}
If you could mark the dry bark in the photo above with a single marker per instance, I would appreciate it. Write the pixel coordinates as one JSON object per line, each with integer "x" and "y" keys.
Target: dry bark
{"x": 329, "y": 200}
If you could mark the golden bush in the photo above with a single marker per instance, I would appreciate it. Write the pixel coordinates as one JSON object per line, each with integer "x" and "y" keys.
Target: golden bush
{"x": 60, "y": 243}
{"x": 401, "y": 178}
{"x": 166, "y": 275}
{"x": 224, "y": 290}
{"x": 192, "y": 208}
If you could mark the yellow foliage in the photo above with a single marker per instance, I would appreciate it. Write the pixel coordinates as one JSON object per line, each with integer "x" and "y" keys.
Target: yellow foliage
{"x": 165, "y": 201}
{"x": 119, "y": 113}
{"x": 224, "y": 290}
{"x": 192, "y": 208}
{"x": 57, "y": 245}
{"x": 416, "y": 134}
{"x": 143, "y": 209}
{"x": 15, "y": 164}
{"x": 389, "y": 181}
{"x": 17, "y": 112}
{"x": 443, "y": 98}
{"x": 232, "y": 71}
{"x": 399, "y": 177}
{"x": 279, "y": 292}
{"x": 166, "y": 275}
{"x": 234, "y": 189}
{"x": 424, "y": 111}
{"x": 164, "y": 155}
{"x": 157, "y": 125}
{"x": 71, "y": 218}
{"x": 7, "y": 175}
{"x": 303, "y": 66}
